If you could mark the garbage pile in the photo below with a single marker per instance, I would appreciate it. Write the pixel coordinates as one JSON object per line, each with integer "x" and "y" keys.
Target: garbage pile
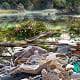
{"x": 36, "y": 63}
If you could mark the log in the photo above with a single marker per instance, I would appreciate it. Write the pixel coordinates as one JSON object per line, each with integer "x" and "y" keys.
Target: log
{"x": 24, "y": 42}
{"x": 13, "y": 44}
{"x": 7, "y": 44}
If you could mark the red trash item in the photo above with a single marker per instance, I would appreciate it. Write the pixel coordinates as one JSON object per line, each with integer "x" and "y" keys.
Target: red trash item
{"x": 76, "y": 52}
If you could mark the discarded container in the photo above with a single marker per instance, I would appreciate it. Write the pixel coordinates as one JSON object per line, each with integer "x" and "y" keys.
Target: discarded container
{"x": 76, "y": 66}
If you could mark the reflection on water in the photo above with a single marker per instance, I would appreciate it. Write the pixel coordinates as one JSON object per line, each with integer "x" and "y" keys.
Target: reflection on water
{"x": 48, "y": 14}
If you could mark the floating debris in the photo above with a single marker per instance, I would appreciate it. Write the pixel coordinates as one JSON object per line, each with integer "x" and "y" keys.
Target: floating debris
{"x": 35, "y": 63}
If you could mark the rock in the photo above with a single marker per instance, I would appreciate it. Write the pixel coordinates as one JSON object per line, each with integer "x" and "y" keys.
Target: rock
{"x": 38, "y": 77}
{"x": 7, "y": 78}
{"x": 17, "y": 76}
{"x": 63, "y": 48}
{"x": 1, "y": 65}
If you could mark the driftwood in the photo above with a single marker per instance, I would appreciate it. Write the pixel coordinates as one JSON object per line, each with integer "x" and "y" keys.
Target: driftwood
{"x": 32, "y": 69}
{"x": 25, "y": 42}
{"x": 23, "y": 55}
{"x": 7, "y": 44}
{"x": 44, "y": 34}
{"x": 11, "y": 44}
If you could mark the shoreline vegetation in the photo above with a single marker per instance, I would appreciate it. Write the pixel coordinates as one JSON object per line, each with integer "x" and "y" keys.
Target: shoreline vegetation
{"x": 24, "y": 29}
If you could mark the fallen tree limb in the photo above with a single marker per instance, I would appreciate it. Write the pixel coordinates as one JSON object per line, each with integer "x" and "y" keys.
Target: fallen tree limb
{"x": 24, "y": 42}
{"x": 10, "y": 44}
{"x": 7, "y": 44}
{"x": 44, "y": 34}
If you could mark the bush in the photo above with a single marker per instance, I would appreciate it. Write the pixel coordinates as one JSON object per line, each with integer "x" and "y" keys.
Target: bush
{"x": 29, "y": 29}
{"x": 21, "y": 31}
{"x": 74, "y": 27}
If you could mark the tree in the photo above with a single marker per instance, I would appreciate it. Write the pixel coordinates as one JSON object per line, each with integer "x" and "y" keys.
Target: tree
{"x": 5, "y": 5}
{"x": 59, "y": 3}
{"x": 72, "y": 5}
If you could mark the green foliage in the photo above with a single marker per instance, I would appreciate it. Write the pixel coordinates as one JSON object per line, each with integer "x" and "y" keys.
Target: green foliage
{"x": 29, "y": 29}
{"x": 59, "y": 3}
{"x": 21, "y": 31}
{"x": 74, "y": 27}
{"x": 73, "y": 5}
{"x": 6, "y": 31}
{"x": 5, "y": 5}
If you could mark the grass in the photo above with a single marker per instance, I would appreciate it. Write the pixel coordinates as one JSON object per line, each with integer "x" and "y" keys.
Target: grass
{"x": 7, "y": 11}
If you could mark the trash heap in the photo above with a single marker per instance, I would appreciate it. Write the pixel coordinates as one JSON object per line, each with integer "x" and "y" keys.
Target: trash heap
{"x": 36, "y": 63}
